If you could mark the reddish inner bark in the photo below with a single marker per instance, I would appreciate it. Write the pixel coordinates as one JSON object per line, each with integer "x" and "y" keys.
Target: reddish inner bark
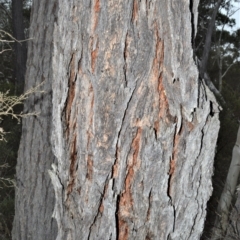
{"x": 96, "y": 11}
{"x": 126, "y": 200}
{"x": 135, "y": 10}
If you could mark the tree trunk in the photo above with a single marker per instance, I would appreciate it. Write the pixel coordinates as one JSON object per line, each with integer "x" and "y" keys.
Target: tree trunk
{"x": 207, "y": 44}
{"x": 34, "y": 194}
{"x": 233, "y": 229}
{"x": 221, "y": 223}
{"x": 132, "y": 129}
{"x": 20, "y": 56}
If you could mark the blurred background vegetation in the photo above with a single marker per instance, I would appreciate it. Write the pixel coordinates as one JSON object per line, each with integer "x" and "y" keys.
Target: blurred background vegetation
{"x": 9, "y": 70}
{"x": 223, "y": 68}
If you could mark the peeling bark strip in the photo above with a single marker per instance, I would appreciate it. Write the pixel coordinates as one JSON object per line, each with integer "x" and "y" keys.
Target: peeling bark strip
{"x": 135, "y": 10}
{"x": 96, "y": 10}
{"x": 94, "y": 54}
{"x": 73, "y": 167}
{"x": 173, "y": 162}
{"x": 126, "y": 202}
{"x": 132, "y": 133}
{"x": 70, "y": 122}
{"x": 71, "y": 94}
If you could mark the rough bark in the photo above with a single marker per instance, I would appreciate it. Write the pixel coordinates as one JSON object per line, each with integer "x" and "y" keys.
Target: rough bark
{"x": 133, "y": 130}
{"x": 20, "y": 56}
{"x": 34, "y": 201}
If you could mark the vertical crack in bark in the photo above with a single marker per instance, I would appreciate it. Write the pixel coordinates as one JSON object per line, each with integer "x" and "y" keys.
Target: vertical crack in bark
{"x": 164, "y": 114}
{"x": 71, "y": 94}
{"x": 120, "y": 224}
{"x": 125, "y": 56}
{"x": 100, "y": 206}
{"x": 117, "y": 217}
{"x": 80, "y": 64}
{"x": 201, "y": 143}
{"x": 163, "y": 102}
{"x": 149, "y": 205}
{"x": 73, "y": 160}
{"x": 126, "y": 200}
{"x": 172, "y": 165}
{"x": 116, "y": 163}
{"x": 174, "y": 217}
{"x": 170, "y": 173}
{"x": 157, "y": 70}
{"x": 192, "y": 23}
{"x": 71, "y": 125}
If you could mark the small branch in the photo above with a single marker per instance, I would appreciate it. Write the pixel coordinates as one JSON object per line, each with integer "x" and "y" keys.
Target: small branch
{"x": 228, "y": 69}
{"x": 13, "y": 39}
{"x": 7, "y": 104}
{"x": 7, "y": 182}
{"x": 5, "y": 50}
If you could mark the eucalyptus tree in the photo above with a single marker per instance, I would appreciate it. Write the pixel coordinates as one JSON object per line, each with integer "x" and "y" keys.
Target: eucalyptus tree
{"x": 124, "y": 143}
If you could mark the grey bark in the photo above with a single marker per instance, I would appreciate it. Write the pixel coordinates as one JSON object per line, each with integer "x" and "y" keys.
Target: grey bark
{"x": 132, "y": 129}
{"x": 20, "y": 55}
{"x": 34, "y": 201}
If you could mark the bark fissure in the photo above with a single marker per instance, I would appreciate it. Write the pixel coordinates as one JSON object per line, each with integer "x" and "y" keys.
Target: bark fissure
{"x": 126, "y": 201}
{"x": 100, "y": 208}
{"x": 174, "y": 217}
{"x": 70, "y": 124}
{"x": 116, "y": 162}
{"x": 149, "y": 205}
{"x": 125, "y": 134}
{"x": 192, "y": 23}
{"x": 173, "y": 162}
{"x": 71, "y": 94}
{"x": 117, "y": 217}
{"x": 73, "y": 167}
{"x": 125, "y": 56}
{"x": 158, "y": 74}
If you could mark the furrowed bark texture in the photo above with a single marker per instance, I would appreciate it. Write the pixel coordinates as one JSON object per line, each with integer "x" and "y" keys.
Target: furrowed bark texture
{"x": 34, "y": 200}
{"x": 133, "y": 130}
